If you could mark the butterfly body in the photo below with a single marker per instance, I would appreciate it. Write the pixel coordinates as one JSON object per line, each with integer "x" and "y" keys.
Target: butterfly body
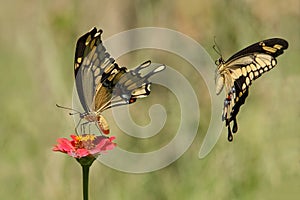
{"x": 240, "y": 70}
{"x": 102, "y": 84}
{"x": 97, "y": 118}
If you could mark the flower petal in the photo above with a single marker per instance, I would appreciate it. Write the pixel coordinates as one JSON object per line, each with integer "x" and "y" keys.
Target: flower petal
{"x": 104, "y": 144}
{"x": 79, "y": 153}
{"x": 76, "y": 148}
{"x": 64, "y": 145}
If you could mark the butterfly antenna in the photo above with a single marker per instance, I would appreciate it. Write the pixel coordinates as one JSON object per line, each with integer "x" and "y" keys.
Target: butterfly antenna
{"x": 218, "y": 51}
{"x": 216, "y": 47}
{"x": 66, "y": 108}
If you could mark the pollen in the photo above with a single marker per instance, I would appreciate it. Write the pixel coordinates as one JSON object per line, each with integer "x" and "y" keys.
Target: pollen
{"x": 85, "y": 138}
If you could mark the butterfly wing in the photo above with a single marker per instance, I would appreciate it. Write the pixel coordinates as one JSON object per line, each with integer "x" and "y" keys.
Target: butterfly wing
{"x": 273, "y": 46}
{"x": 91, "y": 60}
{"x": 135, "y": 84}
{"x": 238, "y": 72}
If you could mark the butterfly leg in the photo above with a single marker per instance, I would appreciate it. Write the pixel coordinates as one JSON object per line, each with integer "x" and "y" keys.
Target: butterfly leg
{"x": 89, "y": 127}
{"x": 76, "y": 127}
{"x": 82, "y": 127}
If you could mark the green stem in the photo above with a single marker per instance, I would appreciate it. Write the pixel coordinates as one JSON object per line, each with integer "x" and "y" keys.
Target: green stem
{"x": 85, "y": 163}
{"x": 85, "y": 181}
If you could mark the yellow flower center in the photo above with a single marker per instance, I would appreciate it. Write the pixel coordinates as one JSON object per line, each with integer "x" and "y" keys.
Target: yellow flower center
{"x": 85, "y": 141}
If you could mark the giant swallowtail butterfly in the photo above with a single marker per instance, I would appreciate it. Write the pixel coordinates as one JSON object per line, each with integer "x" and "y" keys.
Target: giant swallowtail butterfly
{"x": 102, "y": 84}
{"x": 238, "y": 72}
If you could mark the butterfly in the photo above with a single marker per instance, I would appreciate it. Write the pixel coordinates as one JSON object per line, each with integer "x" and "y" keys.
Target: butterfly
{"x": 100, "y": 82}
{"x": 238, "y": 72}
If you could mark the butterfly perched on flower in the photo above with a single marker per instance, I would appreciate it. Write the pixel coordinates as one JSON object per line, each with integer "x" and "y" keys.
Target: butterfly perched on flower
{"x": 100, "y": 82}
{"x": 238, "y": 72}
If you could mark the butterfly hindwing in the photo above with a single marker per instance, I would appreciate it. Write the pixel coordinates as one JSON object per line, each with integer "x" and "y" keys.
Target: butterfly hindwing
{"x": 132, "y": 84}
{"x": 240, "y": 70}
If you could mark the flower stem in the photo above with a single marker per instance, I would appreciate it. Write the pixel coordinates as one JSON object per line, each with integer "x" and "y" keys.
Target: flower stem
{"x": 85, "y": 181}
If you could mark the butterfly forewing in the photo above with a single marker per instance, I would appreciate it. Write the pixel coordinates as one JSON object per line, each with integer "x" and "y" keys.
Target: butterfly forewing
{"x": 238, "y": 72}
{"x": 273, "y": 46}
{"x": 91, "y": 59}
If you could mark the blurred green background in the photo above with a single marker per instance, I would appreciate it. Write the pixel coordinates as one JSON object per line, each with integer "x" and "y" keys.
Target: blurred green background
{"x": 36, "y": 57}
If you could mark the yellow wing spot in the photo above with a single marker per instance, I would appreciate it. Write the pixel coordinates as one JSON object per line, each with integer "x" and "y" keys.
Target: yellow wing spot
{"x": 140, "y": 92}
{"x": 108, "y": 69}
{"x": 79, "y": 59}
{"x": 270, "y": 66}
{"x": 247, "y": 81}
{"x": 148, "y": 87}
{"x": 88, "y": 40}
{"x": 244, "y": 86}
{"x": 244, "y": 71}
{"x": 277, "y": 46}
{"x": 253, "y": 67}
{"x": 240, "y": 94}
{"x": 273, "y": 62}
{"x": 92, "y": 43}
{"x": 261, "y": 71}
{"x": 269, "y": 49}
{"x": 248, "y": 68}
{"x": 236, "y": 99}
{"x": 266, "y": 69}
{"x": 97, "y": 34}
{"x": 256, "y": 73}
{"x": 251, "y": 75}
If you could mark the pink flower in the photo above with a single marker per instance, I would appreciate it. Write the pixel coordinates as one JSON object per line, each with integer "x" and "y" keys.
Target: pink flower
{"x": 84, "y": 145}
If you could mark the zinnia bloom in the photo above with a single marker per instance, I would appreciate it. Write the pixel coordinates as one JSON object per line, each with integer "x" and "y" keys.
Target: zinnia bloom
{"x": 86, "y": 145}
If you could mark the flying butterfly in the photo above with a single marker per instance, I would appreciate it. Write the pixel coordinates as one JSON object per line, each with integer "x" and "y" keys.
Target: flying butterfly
{"x": 100, "y": 82}
{"x": 238, "y": 72}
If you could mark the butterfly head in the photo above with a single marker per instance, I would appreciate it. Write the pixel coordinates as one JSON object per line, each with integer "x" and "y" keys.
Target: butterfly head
{"x": 219, "y": 75}
{"x": 219, "y": 61}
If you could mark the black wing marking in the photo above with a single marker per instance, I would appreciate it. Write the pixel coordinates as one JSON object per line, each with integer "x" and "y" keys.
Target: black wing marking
{"x": 235, "y": 99}
{"x": 269, "y": 46}
{"x": 241, "y": 69}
